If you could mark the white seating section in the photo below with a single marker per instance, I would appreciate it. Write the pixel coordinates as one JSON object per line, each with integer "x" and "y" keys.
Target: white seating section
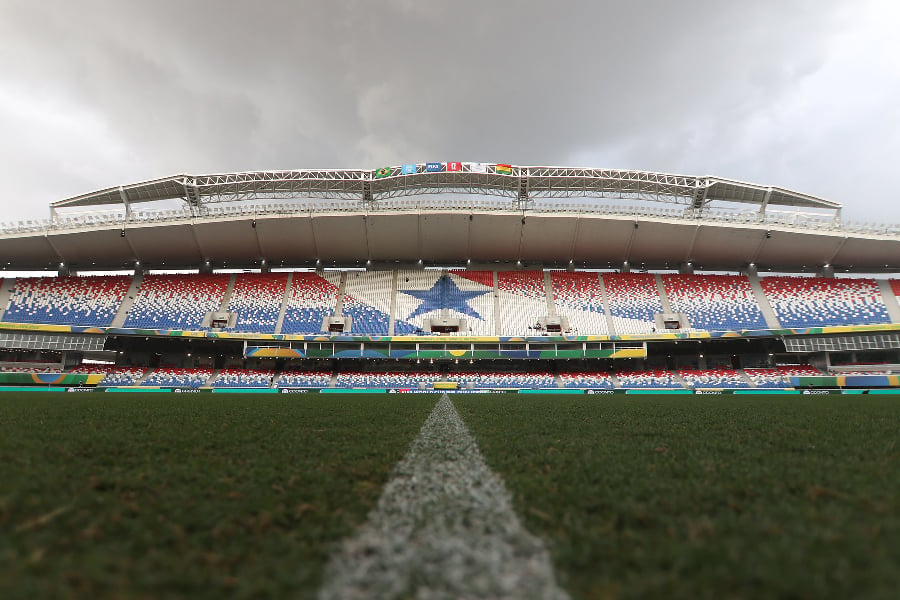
{"x": 177, "y": 377}
{"x": 311, "y": 298}
{"x": 34, "y": 369}
{"x": 411, "y": 381}
{"x": 713, "y": 378}
{"x": 589, "y": 380}
{"x": 647, "y": 379}
{"x": 481, "y": 282}
{"x": 431, "y": 294}
{"x": 820, "y": 302}
{"x": 367, "y": 300}
{"x": 176, "y": 301}
{"x": 579, "y": 297}
{"x": 532, "y": 380}
{"x": 90, "y": 301}
{"x": 257, "y": 299}
{"x": 523, "y": 300}
{"x": 714, "y": 302}
{"x": 778, "y": 377}
{"x": 303, "y": 379}
{"x": 633, "y": 300}
{"x": 243, "y": 378}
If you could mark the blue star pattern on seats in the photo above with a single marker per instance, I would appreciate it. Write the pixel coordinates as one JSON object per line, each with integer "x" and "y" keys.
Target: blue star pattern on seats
{"x": 444, "y": 294}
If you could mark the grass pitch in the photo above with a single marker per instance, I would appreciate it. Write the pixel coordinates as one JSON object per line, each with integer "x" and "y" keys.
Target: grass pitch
{"x": 201, "y": 495}
{"x": 704, "y": 497}
{"x": 209, "y": 495}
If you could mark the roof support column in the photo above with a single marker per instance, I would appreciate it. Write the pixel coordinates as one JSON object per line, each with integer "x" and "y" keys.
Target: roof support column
{"x": 765, "y": 202}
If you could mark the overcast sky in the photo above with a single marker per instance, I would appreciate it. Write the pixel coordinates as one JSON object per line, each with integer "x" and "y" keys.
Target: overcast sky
{"x": 803, "y": 94}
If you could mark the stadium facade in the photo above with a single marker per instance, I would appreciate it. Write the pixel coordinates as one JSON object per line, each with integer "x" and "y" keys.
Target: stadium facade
{"x": 450, "y": 275}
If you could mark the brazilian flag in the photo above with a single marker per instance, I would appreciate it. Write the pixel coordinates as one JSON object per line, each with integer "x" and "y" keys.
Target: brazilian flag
{"x": 382, "y": 172}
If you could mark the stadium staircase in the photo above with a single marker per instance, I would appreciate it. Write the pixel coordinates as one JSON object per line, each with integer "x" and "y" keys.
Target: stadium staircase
{"x": 212, "y": 378}
{"x": 392, "y": 321}
{"x": 884, "y": 286}
{"x": 768, "y": 312}
{"x": 746, "y": 378}
{"x": 663, "y": 297}
{"x": 226, "y": 297}
{"x": 5, "y": 291}
{"x": 284, "y": 303}
{"x": 130, "y": 295}
{"x": 339, "y": 305}
{"x": 609, "y": 320}
{"x": 548, "y": 292}
{"x": 144, "y": 377}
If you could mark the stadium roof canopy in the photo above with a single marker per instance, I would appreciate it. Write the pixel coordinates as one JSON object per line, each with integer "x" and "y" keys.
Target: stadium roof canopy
{"x": 449, "y": 214}
{"x": 519, "y": 182}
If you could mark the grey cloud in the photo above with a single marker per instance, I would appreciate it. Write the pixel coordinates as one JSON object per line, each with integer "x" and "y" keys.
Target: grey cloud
{"x": 701, "y": 87}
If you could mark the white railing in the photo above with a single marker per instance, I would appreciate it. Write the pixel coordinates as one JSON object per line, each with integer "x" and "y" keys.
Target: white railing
{"x": 792, "y": 220}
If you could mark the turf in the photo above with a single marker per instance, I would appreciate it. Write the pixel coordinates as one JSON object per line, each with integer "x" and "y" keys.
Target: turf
{"x": 152, "y": 495}
{"x": 704, "y": 497}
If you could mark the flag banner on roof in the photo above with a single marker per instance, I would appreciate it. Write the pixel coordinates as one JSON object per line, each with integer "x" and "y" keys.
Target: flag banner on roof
{"x": 478, "y": 167}
{"x": 409, "y": 169}
{"x": 504, "y": 169}
{"x": 454, "y": 166}
{"x": 382, "y": 172}
{"x": 432, "y": 167}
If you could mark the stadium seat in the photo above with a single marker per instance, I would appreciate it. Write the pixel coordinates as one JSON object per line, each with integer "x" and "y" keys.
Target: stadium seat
{"x": 523, "y": 301}
{"x": 367, "y": 300}
{"x": 311, "y": 298}
{"x": 648, "y": 379}
{"x": 633, "y": 300}
{"x": 714, "y": 302}
{"x": 177, "y": 377}
{"x": 526, "y": 380}
{"x": 177, "y": 301}
{"x": 801, "y": 302}
{"x": 713, "y": 378}
{"x": 588, "y": 380}
{"x": 303, "y": 379}
{"x": 257, "y": 299}
{"x": 578, "y": 296}
{"x": 90, "y": 300}
{"x": 234, "y": 377}
{"x": 412, "y": 381}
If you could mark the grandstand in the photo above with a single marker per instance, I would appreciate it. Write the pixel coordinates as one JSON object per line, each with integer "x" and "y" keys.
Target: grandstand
{"x": 536, "y": 277}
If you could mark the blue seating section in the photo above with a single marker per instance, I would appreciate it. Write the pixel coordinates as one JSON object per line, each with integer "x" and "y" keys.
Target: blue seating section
{"x": 90, "y": 301}
{"x": 534, "y": 380}
{"x": 801, "y": 302}
{"x": 713, "y": 378}
{"x": 587, "y": 381}
{"x": 714, "y": 302}
{"x": 311, "y": 298}
{"x": 633, "y": 300}
{"x": 175, "y": 377}
{"x": 648, "y": 379}
{"x": 243, "y": 378}
{"x": 176, "y": 301}
{"x": 303, "y": 379}
{"x": 257, "y": 299}
{"x": 412, "y": 381}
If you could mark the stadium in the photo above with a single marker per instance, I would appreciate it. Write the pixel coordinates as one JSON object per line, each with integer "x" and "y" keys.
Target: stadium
{"x": 598, "y": 304}
{"x": 451, "y": 276}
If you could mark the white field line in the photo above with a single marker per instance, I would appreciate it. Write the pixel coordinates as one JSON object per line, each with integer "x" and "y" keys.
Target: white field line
{"x": 444, "y": 527}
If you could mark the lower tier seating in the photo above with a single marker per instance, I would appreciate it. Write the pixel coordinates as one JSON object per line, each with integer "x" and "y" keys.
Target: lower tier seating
{"x": 243, "y": 378}
{"x": 713, "y": 378}
{"x": 178, "y": 377}
{"x": 591, "y": 380}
